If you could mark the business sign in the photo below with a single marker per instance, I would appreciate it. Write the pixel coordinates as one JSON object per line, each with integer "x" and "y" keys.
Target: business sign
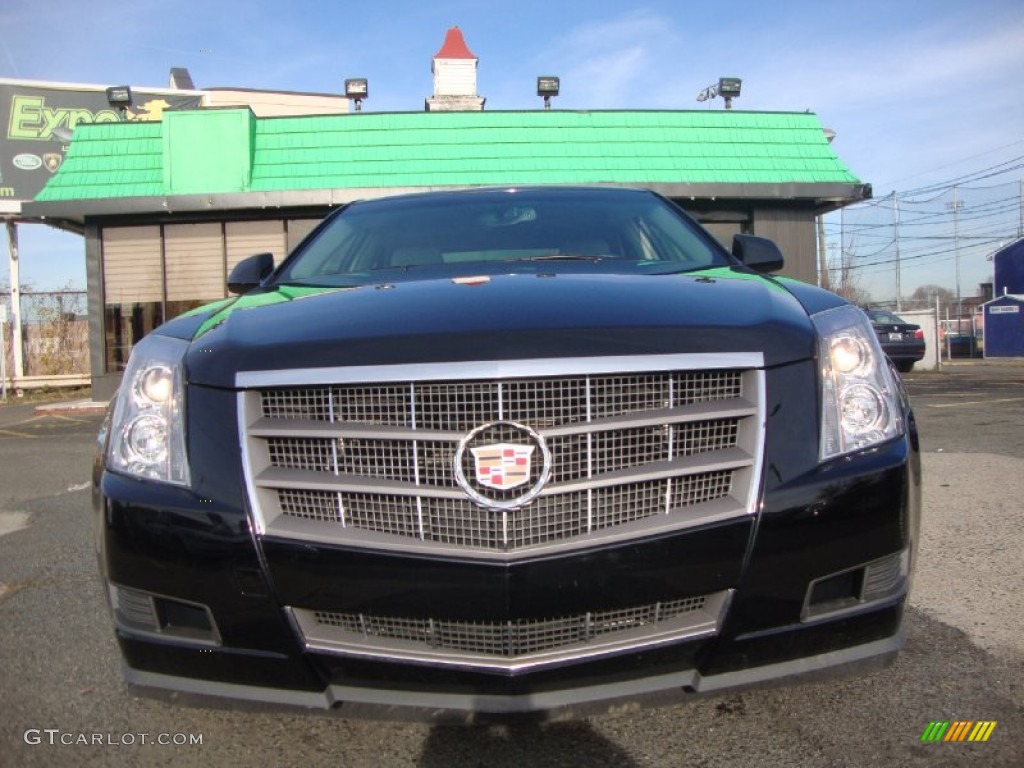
{"x": 37, "y": 121}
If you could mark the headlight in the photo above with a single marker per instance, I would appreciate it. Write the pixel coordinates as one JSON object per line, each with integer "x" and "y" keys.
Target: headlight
{"x": 859, "y": 400}
{"x": 147, "y": 432}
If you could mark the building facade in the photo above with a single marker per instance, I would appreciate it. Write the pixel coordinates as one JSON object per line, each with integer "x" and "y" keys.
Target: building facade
{"x": 169, "y": 206}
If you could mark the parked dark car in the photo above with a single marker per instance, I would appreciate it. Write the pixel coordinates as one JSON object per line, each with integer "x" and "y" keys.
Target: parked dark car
{"x": 507, "y": 450}
{"x": 903, "y": 342}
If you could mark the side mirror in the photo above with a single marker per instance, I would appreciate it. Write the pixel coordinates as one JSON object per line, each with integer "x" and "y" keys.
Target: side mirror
{"x": 250, "y": 272}
{"x": 758, "y": 253}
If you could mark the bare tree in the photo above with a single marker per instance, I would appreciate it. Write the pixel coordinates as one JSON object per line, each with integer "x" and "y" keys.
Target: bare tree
{"x": 845, "y": 280}
{"x": 55, "y": 332}
{"x": 59, "y": 336}
{"x": 925, "y": 295}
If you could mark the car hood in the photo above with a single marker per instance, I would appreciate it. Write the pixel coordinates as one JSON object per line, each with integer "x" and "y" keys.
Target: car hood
{"x": 505, "y": 317}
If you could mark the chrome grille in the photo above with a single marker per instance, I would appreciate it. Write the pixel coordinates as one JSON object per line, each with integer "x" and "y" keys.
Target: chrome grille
{"x": 884, "y": 576}
{"x": 539, "y": 402}
{"x": 430, "y": 463}
{"x": 509, "y": 638}
{"x": 374, "y": 463}
{"x": 311, "y": 505}
{"x": 461, "y": 522}
{"x": 515, "y": 644}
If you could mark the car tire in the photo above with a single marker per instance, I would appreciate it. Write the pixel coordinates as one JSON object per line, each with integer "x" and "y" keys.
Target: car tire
{"x": 905, "y": 366}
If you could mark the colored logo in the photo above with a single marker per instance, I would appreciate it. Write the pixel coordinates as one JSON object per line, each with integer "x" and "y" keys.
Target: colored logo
{"x": 503, "y": 465}
{"x": 150, "y": 110}
{"x": 52, "y": 161}
{"x": 27, "y": 161}
{"x": 959, "y": 730}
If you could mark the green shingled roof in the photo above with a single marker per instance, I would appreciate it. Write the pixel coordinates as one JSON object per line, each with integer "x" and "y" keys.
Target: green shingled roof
{"x": 187, "y": 152}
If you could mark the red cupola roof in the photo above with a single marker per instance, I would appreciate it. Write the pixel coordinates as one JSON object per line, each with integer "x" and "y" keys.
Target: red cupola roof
{"x": 454, "y": 46}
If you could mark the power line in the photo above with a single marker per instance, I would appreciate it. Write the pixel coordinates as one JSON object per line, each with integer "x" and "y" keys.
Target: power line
{"x": 949, "y": 253}
{"x": 959, "y": 162}
{"x": 985, "y": 173}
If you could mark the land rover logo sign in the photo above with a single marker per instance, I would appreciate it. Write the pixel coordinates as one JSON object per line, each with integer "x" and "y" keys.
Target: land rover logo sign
{"x": 502, "y": 465}
{"x": 26, "y": 161}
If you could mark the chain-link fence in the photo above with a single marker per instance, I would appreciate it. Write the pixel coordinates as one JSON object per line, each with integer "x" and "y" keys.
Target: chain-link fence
{"x": 55, "y": 334}
{"x": 913, "y": 249}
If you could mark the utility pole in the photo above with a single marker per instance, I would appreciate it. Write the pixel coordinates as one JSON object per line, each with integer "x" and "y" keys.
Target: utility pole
{"x": 3, "y": 350}
{"x": 956, "y": 205}
{"x": 14, "y": 273}
{"x": 842, "y": 242}
{"x": 896, "y": 229}
{"x": 824, "y": 279}
{"x": 838, "y": 279}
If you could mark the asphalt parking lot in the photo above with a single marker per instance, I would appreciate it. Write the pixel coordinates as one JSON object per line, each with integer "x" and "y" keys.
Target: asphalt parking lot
{"x": 964, "y": 658}
{"x": 971, "y": 407}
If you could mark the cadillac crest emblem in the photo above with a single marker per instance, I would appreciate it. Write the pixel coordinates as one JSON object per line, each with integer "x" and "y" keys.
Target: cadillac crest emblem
{"x": 502, "y": 465}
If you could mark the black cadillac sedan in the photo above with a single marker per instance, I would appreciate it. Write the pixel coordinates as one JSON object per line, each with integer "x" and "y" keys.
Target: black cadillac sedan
{"x": 507, "y": 450}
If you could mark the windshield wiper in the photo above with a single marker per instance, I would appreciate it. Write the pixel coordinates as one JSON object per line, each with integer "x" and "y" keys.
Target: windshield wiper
{"x": 563, "y": 257}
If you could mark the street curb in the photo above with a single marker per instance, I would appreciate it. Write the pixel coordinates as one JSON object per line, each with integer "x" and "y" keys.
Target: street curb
{"x": 75, "y": 406}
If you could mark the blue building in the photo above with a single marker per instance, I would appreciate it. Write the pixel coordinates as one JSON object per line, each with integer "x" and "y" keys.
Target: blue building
{"x": 1004, "y": 316}
{"x": 1008, "y": 264}
{"x": 1004, "y": 326}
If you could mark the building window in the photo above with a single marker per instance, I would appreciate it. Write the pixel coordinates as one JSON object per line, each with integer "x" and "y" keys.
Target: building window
{"x": 133, "y": 289}
{"x": 245, "y": 238}
{"x": 154, "y": 273}
{"x": 194, "y": 264}
{"x": 126, "y": 324}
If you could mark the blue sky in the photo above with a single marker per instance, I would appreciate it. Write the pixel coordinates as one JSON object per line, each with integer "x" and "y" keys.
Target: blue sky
{"x": 919, "y": 93}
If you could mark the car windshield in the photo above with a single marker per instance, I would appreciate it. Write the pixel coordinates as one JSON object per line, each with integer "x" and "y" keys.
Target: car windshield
{"x": 487, "y": 232}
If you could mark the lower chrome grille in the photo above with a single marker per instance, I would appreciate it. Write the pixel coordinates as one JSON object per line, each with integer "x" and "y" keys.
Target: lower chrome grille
{"x": 514, "y": 645}
{"x": 511, "y": 638}
{"x": 626, "y": 452}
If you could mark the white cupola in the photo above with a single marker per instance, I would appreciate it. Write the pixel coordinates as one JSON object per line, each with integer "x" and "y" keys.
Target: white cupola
{"x": 454, "y": 69}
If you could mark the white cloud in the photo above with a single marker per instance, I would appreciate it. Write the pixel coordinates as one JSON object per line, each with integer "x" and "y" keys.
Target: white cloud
{"x": 938, "y": 62}
{"x": 607, "y": 64}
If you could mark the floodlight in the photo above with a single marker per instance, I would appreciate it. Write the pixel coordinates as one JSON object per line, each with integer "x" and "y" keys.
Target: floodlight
{"x": 120, "y": 98}
{"x": 357, "y": 89}
{"x": 547, "y": 86}
{"x": 729, "y": 86}
{"x": 728, "y": 89}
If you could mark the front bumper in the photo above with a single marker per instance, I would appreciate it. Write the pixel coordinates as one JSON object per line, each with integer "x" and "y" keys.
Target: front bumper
{"x": 668, "y": 686}
{"x": 910, "y": 352}
{"x": 820, "y": 527}
{"x": 813, "y": 581}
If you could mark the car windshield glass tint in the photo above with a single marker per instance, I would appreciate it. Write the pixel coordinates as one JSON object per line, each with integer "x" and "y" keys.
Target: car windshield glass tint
{"x": 458, "y": 233}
